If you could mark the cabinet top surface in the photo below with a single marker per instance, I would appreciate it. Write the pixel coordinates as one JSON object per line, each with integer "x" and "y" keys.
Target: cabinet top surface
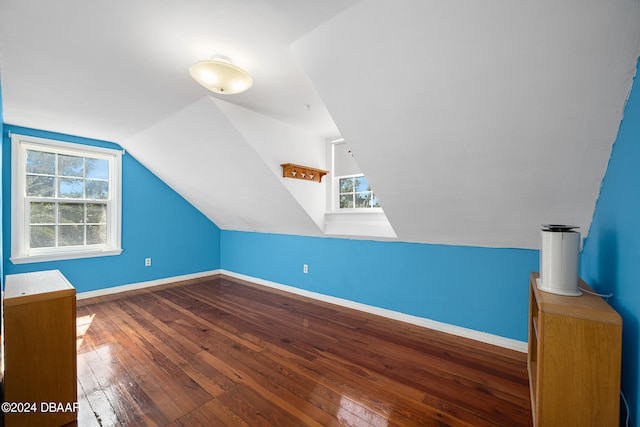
{"x": 585, "y": 306}
{"x": 40, "y": 284}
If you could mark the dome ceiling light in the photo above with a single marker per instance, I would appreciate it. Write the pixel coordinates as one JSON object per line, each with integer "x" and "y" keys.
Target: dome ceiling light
{"x": 219, "y": 75}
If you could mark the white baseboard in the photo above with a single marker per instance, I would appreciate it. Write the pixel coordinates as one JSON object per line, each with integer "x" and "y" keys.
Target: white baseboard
{"x": 142, "y": 285}
{"x": 497, "y": 340}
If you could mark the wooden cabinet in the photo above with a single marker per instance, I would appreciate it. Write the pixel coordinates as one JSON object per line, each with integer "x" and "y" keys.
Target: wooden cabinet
{"x": 574, "y": 359}
{"x": 40, "y": 349}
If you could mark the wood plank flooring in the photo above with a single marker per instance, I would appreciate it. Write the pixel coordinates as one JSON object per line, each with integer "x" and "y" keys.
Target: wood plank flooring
{"x": 221, "y": 352}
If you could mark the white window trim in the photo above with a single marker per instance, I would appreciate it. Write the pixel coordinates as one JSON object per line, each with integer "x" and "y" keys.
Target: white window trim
{"x": 20, "y": 252}
{"x": 335, "y": 198}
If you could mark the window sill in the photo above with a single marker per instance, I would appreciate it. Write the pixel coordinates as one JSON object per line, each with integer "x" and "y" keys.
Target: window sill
{"x": 64, "y": 256}
{"x": 352, "y": 211}
{"x": 358, "y": 223}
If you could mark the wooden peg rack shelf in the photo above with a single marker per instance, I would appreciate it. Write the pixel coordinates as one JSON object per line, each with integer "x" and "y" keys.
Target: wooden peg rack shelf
{"x": 290, "y": 170}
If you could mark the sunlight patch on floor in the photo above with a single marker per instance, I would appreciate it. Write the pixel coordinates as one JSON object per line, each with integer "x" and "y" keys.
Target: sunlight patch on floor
{"x": 353, "y": 414}
{"x": 82, "y": 326}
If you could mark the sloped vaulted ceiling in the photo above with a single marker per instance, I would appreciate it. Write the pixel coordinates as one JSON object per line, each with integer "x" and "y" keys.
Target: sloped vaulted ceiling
{"x": 475, "y": 121}
{"x": 235, "y": 179}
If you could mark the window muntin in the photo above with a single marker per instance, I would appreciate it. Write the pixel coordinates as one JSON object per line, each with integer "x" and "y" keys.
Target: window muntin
{"x": 66, "y": 200}
{"x": 355, "y": 193}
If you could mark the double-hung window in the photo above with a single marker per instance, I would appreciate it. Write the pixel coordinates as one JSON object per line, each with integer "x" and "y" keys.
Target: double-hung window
{"x": 66, "y": 200}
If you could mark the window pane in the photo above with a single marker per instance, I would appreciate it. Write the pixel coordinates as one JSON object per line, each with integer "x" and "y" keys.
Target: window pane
{"x": 363, "y": 200}
{"x": 374, "y": 201}
{"x": 70, "y": 235}
{"x": 96, "y": 234}
{"x": 346, "y": 185}
{"x": 71, "y": 188}
{"x": 97, "y": 168}
{"x": 42, "y": 163}
{"x": 96, "y": 213}
{"x": 40, "y": 186}
{"x": 68, "y": 198}
{"x": 362, "y": 184}
{"x": 70, "y": 165}
{"x": 97, "y": 189}
{"x": 71, "y": 213}
{"x": 42, "y": 213}
{"x": 346, "y": 201}
{"x": 42, "y": 236}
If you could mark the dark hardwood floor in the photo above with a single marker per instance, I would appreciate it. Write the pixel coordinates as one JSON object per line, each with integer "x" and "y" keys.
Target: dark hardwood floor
{"x": 219, "y": 351}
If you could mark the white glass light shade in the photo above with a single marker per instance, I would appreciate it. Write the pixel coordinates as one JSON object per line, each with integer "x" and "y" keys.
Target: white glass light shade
{"x": 221, "y": 76}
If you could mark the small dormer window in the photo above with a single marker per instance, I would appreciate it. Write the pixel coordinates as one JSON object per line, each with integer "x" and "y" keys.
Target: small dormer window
{"x": 350, "y": 188}
{"x": 353, "y": 208}
{"x": 355, "y": 193}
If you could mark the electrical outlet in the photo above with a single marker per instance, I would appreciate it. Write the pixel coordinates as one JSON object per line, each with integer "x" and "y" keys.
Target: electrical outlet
{"x": 305, "y": 268}
{"x": 147, "y": 262}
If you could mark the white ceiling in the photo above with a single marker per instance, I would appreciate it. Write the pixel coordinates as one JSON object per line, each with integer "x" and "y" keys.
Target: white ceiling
{"x": 475, "y": 121}
{"x": 111, "y": 69}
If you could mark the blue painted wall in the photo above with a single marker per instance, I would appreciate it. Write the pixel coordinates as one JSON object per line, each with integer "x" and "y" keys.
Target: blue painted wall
{"x": 1, "y": 228}
{"x": 156, "y": 222}
{"x": 611, "y": 253}
{"x": 478, "y": 288}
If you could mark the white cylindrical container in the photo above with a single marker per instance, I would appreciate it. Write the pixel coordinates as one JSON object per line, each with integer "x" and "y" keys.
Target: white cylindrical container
{"x": 559, "y": 257}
